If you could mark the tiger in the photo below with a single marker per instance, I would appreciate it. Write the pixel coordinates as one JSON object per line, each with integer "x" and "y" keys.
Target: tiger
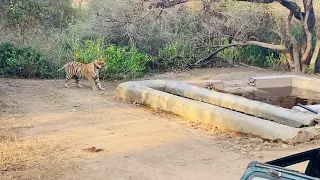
{"x": 90, "y": 71}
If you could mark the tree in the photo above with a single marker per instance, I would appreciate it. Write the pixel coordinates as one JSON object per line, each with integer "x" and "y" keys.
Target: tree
{"x": 299, "y": 54}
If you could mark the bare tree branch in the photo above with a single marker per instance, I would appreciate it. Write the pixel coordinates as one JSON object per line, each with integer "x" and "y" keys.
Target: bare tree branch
{"x": 207, "y": 6}
{"x": 289, "y": 4}
{"x": 169, "y": 3}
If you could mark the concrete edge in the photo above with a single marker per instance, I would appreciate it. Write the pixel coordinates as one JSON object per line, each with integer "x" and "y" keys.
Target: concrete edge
{"x": 142, "y": 92}
{"x": 255, "y": 108}
{"x": 202, "y": 83}
{"x": 308, "y": 83}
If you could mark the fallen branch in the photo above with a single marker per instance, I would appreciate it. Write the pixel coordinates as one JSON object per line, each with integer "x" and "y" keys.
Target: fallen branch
{"x": 216, "y": 52}
{"x": 248, "y": 43}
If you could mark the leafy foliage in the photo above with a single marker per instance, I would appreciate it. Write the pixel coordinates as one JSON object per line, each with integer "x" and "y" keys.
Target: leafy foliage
{"x": 123, "y": 62}
{"x": 261, "y": 57}
{"x": 23, "y": 62}
{"x": 28, "y": 14}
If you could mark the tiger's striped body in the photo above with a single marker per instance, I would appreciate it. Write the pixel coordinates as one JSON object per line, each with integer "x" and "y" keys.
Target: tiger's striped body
{"x": 90, "y": 71}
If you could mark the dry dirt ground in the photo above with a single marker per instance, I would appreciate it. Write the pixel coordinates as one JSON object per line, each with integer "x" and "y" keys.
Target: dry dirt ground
{"x": 47, "y": 132}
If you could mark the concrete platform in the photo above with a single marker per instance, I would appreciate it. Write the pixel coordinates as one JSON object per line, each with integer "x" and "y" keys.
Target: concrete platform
{"x": 148, "y": 93}
{"x": 311, "y": 84}
{"x": 255, "y": 108}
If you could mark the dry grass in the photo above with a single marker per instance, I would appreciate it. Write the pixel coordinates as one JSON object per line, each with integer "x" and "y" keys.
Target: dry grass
{"x": 29, "y": 157}
{"x": 7, "y": 135}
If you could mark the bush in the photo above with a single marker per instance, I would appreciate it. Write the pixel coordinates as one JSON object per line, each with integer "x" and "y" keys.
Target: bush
{"x": 23, "y": 62}
{"x": 122, "y": 62}
{"x": 28, "y": 13}
{"x": 89, "y": 50}
{"x": 261, "y": 57}
{"x": 174, "y": 55}
{"x": 126, "y": 62}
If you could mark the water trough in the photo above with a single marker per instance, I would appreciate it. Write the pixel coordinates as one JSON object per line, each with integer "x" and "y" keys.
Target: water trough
{"x": 226, "y": 111}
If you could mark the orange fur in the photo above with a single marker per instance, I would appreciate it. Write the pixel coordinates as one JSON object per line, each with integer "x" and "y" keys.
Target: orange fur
{"x": 90, "y": 71}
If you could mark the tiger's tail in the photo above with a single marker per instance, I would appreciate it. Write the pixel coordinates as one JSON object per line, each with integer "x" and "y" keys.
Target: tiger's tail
{"x": 62, "y": 67}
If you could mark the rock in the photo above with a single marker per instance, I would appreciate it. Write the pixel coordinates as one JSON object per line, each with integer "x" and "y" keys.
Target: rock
{"x": 256, "y": 140}
{"x": 258, "y": 148}
{"x": 237, "y": 147}
{"x": 257, "y": 155}
{"x": 284, "y": 146}
{"x": 243, "y": 152}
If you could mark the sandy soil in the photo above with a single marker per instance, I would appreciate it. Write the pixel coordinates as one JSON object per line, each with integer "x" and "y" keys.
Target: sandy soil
{"x": 46, "y": 130}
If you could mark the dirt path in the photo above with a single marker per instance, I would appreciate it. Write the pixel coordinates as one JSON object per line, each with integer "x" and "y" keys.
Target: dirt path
{"x": 44, "y": 129}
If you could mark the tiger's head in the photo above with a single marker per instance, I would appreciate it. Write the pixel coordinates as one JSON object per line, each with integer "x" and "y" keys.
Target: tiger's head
{"x": 99, "y": 63}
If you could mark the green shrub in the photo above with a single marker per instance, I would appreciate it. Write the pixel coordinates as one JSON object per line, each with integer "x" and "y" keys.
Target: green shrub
{"x": 123, "y": 62}
{"x": 262, "y": 57}
{"x": 126, "y": 62}
{"x": 58, "y": 13}
{"x": 23, "y": 62}
{"x": 89, "y": 50}
{"x": 176, "y": 54}
{"x": 20, "y": 10}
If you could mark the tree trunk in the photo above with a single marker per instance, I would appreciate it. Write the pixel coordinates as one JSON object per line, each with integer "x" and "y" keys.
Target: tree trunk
{"x": 296, "y": 50}
{"x": 315, "y": 56}
{"x": 308, "y": 25}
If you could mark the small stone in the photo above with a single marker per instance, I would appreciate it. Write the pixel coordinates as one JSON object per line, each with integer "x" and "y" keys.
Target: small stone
{"x": 237, "y": 147}
{"x": 284, "y": 146}
{"x": 257, "y": 155}
{"x": 243, "y": 152}
{"x": 256, "y": 140}
{"x": 258, "y": 148}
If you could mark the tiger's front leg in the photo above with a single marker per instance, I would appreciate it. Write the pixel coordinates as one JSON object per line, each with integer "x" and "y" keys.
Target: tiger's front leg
{"x": 97, "y": 81}
{"x": 92, "y": 83}
{"x": 99, "y": 85}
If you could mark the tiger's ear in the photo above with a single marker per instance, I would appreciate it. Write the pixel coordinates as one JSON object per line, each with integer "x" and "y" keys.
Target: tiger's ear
{"x": 102, "y": 59}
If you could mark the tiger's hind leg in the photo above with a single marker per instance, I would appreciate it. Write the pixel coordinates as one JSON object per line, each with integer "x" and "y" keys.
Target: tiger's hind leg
{"x": 77, "y": 78}
{"x": 68, "y": 77}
